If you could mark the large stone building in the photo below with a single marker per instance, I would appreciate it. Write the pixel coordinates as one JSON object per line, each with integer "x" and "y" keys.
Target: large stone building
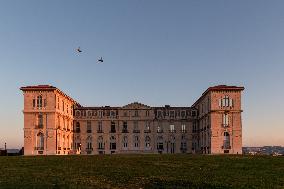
{"x": 55, "y": 124}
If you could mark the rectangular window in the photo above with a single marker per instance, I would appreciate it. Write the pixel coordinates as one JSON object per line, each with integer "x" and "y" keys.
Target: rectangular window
{"x": 44, "y": 103}
{"x": 159, "y": 114}
{"x": 183, "y": 128}
{"x": 225, "y": 120}
{"x": 147, "y": 113}
{"x": 147, "y": 126}
{"x": 100, "y": 114}
{"x": 34, "y": 103}
{"x": 136, "y": 113}
{"x": 172, "y": 114}
{"x": 89, "y": 127}
{"x": 112, "y": 114}
{"x": 100, "y": 127}
{"x": 135, "y": 126}
{"x": 172, "y": 128}
{"x": 112, "y": 127}
{"x": 124, "y": 129}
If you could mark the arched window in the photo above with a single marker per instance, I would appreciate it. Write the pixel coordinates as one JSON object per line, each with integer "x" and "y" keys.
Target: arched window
{"x": 89, "y": 143}
{"x": 125, "y": 141}
{"x": 147, "y": 142}
{"x": 226, "y": 142}
{"x": 112, "y": 143}
{"x": 160, "y": 143}
{"x": 40, "y": 141}
{"x": 100, "y": 142}
{"x": 136, "y": 141}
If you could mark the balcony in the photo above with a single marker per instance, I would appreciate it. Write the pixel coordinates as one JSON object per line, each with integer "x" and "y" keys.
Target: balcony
{"x": 147, "y": 131}
{"x": 101, "y": 148}
{"x": 226, "y": 147}
{"x": 112, "y": 131}
{"x": 40, "y": 126}
{"x": 136, "y": 131}
{"x": 124, "y": 131}
{"x": 183, "y": 131}
{"x": 225, "y": 125}
{"x": 99, "y": 131}
{"x": 89, "y": 131}
{"x": 39, "y": 148}
{"x": 172, "y": 131}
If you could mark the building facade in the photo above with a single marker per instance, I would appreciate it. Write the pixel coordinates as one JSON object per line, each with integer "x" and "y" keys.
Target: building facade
{"x": 55, "y": 124}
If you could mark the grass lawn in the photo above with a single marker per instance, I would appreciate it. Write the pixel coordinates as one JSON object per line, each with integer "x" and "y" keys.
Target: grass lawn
{"x": 142, "y": 171}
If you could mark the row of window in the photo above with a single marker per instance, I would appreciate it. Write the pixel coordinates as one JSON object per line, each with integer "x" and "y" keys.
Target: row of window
{"x": 135, "y": 113}
{"x": 125, "y": 127}
{"x": 109, "y": 113}
{"x": 125, "y": 142}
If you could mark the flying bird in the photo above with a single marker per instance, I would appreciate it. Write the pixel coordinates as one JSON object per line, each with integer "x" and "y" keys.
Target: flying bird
{"x": 101, "y": 60}
{"x": 79, "y": 50}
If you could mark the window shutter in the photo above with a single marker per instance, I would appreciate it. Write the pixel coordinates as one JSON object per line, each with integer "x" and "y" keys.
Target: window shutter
{"x": 220, "y": 102}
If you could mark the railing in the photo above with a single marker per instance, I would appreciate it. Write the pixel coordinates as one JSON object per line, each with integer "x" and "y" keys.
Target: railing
{"x": 226, "y": 147}
{"x": 89, "y": 131}
{"x": 101, "y": 148}
{"x": 112, "y": 131}
{"x": 136, "y": 131}
{"x": 183, "y": 131}
{"x": 172, "y": 131}
{"x": 89, "y": 149}
{"x": 225, "y": 125}
{"x": 99, "y": 131}
{"x": 124, "y": 131}
{"x": 40, "y": 126}
{"x": 39, "y": 148}
{"x": 147, "y": 131}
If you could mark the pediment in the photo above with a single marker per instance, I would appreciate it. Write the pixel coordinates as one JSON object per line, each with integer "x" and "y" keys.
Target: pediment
{"x": 136, "y": 105}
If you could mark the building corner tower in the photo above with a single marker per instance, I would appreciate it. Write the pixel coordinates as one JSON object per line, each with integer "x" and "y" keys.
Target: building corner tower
{"x": 48, "y": 121}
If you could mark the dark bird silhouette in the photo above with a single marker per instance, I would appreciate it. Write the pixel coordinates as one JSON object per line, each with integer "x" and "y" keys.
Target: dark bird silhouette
{"x": 101, "y": 60}
{"x": 79, "y": 50}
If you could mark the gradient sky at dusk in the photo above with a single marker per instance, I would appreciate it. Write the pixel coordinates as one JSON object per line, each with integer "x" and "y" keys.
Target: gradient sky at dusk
{"x": 156, "y": 52}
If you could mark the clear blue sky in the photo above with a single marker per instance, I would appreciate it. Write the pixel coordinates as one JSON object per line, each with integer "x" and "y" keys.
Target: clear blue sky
{"x": 156, "y": 52}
